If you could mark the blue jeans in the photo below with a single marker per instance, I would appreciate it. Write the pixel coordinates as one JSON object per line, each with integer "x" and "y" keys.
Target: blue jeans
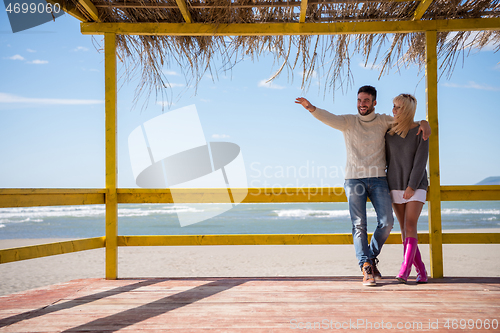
{"x": 357, "y": 191}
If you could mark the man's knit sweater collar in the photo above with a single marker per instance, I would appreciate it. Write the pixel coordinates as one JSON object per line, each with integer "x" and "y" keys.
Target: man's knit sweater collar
{"x": 368, "y": 117}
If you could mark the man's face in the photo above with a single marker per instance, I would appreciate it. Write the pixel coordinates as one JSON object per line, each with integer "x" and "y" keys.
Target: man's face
{"x": 366, "y": 104}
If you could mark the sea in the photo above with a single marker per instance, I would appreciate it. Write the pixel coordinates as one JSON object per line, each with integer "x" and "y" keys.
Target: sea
{"x": 260, "y": 218}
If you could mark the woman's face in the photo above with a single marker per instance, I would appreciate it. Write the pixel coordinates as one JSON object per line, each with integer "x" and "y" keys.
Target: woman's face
{"x": 396, "y": 108}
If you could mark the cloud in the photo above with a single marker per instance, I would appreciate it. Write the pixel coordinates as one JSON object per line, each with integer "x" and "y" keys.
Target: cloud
{"x": 167, "y": 104}
{"x": 220, "y": 136}
{"x": 10, "y": 98}
{"x": 368, "y": 65}
{"x": 38, "y": 62}
{"x": 173, "y": 73}
{"x": 314, "y": 74}
{"x": 269, "y": 85}
{"x": 80, "y": 48}
{"x": 16, "y": 57}
{"x": 472, "y": 85}
{"x": 30, "y": 50}
{"x": 470, "y": 41}
{"x": 204, "y": 100}
{"x": 174, "y": 85}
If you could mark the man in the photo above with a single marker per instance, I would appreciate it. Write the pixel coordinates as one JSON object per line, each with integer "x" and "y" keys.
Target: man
{"x": 365, "y": 174}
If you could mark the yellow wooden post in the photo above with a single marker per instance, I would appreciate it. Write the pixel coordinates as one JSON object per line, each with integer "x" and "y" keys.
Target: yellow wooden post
{"x": 111, "y": 165}
{"x": 434, "y": 197}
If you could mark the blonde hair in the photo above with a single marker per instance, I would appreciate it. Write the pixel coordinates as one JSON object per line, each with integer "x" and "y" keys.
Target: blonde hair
{"x": 404, "y": 119}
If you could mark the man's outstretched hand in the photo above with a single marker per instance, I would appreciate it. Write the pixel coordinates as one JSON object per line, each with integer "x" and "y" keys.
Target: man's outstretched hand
{"x": 306, "y": 104}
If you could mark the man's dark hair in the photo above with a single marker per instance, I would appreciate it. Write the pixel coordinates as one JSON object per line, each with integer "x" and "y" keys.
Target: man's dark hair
{"x": 369, "y": 90}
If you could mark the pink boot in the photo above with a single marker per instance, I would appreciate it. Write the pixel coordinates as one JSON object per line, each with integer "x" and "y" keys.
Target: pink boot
{"x": 410, "y": 249}
{"x": 420, "y": 268}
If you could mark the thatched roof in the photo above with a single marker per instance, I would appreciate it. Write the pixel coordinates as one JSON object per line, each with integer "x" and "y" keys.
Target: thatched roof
{"x": 327, "y": 54}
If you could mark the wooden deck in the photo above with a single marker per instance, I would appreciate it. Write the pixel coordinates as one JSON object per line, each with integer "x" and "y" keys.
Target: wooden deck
{"x": 252, "y": 305}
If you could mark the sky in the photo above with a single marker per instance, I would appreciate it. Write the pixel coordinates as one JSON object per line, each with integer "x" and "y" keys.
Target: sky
{"x": 52, "y": 114}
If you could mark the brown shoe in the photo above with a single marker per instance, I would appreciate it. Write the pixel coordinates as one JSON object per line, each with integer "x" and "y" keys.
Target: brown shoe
{"x": 368, "y": 279}
{"x": 376, "y": 273}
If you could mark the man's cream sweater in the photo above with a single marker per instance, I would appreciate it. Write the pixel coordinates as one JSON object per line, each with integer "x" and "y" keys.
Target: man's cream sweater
{"x": 364, "y": 140}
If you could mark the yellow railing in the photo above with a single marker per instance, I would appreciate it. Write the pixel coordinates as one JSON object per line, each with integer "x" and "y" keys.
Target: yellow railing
{"x": 51, "y": 197}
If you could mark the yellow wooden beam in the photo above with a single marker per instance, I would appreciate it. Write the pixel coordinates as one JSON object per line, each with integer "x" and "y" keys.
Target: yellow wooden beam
{"x": 60, "y": 197}
{"x": 285, "y": 194}
{"x": 434, "y": 195}
{"x": 303, "y": 10}
{"x": 253, "y": 239}
{"x": 184, "y": 10}
{"x": 294, "y": 239}
{"x": 267, "y": 29}
{"x": 50, "y": 197}
{"x": 9, "y": 191}
{"x": 111, "y": 157}
{"x": 471, "y": 238}
{"x": 470, "y": 193}
{"x": 73, "y": 11}
{"x": 91, "y": 9}
{"x": 420, "y": 11}
{"x": 214, "y": 195}
{"x": 51, "y": 249}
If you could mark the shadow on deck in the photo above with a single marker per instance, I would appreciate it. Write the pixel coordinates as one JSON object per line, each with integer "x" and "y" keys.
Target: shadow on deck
{"x": 253, "y": 305}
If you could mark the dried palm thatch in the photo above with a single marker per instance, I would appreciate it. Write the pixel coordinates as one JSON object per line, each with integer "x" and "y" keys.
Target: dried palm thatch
{"x": 327, "y": 55}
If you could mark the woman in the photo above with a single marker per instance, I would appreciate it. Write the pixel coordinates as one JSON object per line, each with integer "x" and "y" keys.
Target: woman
{"x": 406, "y": 153}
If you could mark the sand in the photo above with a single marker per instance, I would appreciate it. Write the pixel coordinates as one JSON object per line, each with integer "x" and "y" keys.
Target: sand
{"x": 471, "y": 260}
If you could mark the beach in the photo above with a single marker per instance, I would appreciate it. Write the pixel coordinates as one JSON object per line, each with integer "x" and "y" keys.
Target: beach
{"x": 471, "y": 260}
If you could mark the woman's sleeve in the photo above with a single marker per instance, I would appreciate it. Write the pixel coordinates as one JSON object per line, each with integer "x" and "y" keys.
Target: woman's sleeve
{"x": 419, "y": 163}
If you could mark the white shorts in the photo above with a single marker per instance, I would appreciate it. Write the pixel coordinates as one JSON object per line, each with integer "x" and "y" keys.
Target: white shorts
{"x": 397, "y": 196}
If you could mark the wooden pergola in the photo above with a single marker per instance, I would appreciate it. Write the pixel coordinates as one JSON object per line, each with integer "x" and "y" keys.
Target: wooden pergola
{"x": 90, "y": 13}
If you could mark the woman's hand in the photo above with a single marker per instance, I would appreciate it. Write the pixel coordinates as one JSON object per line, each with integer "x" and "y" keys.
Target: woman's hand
{"x": 306, "y": 104}
{"x": 409, "y": 192}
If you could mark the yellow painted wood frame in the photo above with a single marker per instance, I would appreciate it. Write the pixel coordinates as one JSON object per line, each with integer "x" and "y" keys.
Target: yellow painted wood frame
{"x": 51, "y": 249}
{"x": 111, "y": 157}
{"x": 273, "y": 29}
{"x": 434, "y": 195}
{"x": 294, "y": 239}
{"x": 111, "y": 196}
{"x": 58, "y": 197}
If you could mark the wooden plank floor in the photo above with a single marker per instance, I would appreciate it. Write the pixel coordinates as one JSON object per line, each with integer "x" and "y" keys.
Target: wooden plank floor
{"x": 253, "y": 305}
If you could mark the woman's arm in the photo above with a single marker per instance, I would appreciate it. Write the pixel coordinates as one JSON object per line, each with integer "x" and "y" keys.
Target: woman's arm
{"x": 419, "y": 164}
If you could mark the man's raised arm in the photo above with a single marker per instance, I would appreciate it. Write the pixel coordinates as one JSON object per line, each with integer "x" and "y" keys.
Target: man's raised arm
{"x": 306, "y": 104}
{"x": 330, "y": 119}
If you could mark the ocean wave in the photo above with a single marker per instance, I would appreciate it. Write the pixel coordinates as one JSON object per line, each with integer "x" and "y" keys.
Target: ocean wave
{"x": 463, "y": 211}
{"x": 134, "y": 212}
{"x": 38, "y": 214}
{"x": 2, "y": 225}
{"x": 44, "y": 212}
{"x": 303, "y": 213}
{"x": 41, "y": 214}
{"x": 13, "y": 220}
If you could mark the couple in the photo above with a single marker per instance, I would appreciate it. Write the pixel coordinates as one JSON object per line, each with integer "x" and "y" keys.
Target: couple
{"x": 375, "y": 142}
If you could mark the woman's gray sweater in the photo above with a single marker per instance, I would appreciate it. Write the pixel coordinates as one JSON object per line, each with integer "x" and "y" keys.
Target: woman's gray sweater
{"x": 406, "y": 160}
